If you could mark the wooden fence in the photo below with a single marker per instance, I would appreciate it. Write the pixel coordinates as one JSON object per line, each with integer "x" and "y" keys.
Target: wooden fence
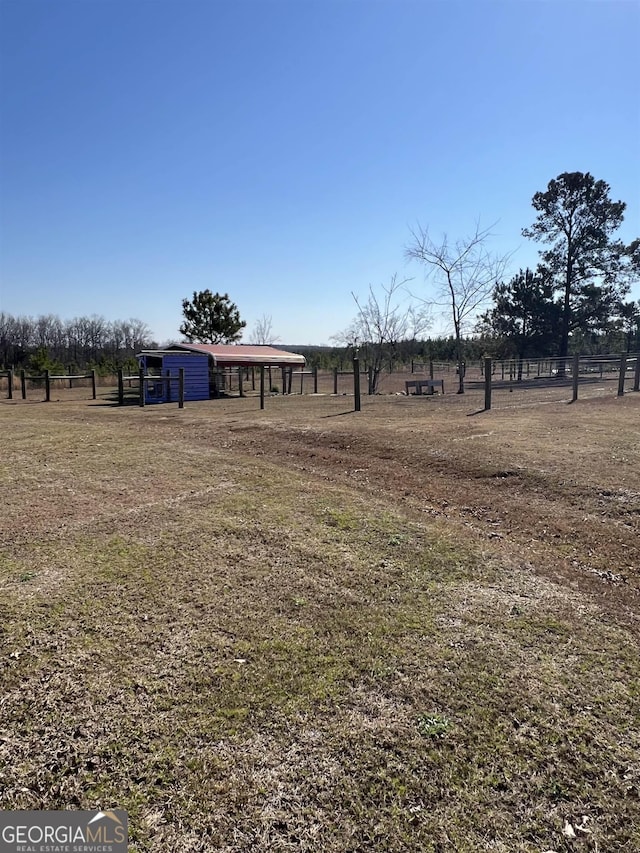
{"x": 539, "y": 368}
{"x": 47, "y": 378}
{"x": 9, "y": 375}
{"x": 494, "y": 376}
{"x": 624, "y": 367}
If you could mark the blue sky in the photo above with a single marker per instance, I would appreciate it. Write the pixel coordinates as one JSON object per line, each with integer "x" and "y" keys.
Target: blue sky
{"x": 280, "y": 150}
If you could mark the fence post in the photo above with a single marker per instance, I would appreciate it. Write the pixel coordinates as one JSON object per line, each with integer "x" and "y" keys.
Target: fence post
{"x": 181, "y": 387}
{"x": 370, "y": 389}
{"x": 262, "y": 386}
{"x": 10, "y": 383}
{"x": 141, "y": 388}
{"x": 240, "y": 386}
{"x": 576, "y": 373}
{"x": 623, "y": 368}
{"x": 253, "y": 379}
{"x": 636, "y": 375}
{"x": 47, "y": 387}
{"x": 23, "y": 384}
{"x": 356, "y": 382}
{"x": 315, "y": 379}
{"x": 167, "y": 393}
{"x": 302, "y": 380}
{"x": 120, "y": 387}
{"x": 93, "y": 383}
{"x": 487, "y": 384}
{"x": 70, "y": 370}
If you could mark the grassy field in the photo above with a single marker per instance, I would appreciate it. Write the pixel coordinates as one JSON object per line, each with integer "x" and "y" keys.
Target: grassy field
{"x": 414, "y": 628}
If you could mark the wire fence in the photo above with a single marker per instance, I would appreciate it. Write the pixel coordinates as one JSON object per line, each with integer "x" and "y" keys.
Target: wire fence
{"x": 513, "y": 381}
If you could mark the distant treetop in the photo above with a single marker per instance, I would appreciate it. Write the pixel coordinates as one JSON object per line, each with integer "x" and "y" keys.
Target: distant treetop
{"x": 211, "y": 318}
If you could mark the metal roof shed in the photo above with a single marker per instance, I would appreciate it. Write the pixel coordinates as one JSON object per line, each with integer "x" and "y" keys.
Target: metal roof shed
{"x": 168, "y": 363}
{"x": 244, "y": 355}
{"x": 223, "y": 358}
{"x": 205, "y": 365}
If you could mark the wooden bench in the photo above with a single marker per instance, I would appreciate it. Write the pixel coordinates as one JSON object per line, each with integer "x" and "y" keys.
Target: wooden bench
{"x": 420, "y": 384}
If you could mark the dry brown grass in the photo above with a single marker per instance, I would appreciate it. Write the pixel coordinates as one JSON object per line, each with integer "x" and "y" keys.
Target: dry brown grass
{"x": 305, "y": 629}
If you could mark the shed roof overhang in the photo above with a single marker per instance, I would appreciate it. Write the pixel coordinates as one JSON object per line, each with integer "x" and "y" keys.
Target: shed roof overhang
{"x": 242, "y": 355}
{"x": 163, "y": 352}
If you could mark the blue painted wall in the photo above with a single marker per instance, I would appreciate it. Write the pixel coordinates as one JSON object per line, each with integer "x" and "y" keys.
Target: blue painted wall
{"x": 196, "y": 376}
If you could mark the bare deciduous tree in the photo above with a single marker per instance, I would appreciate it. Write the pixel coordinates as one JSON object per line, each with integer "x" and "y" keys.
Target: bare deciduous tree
{"x": 263, "y": 331}
{"x": 383, "y": 320}
{"x": 81, "y": 341}
{"x": 464, "y": 272}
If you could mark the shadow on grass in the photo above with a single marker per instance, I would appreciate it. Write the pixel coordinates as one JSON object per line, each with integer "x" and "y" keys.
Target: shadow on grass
{"x": 340, "y": 414}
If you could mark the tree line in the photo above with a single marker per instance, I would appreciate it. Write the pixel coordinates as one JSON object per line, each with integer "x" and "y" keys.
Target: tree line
{"x": 48, "y": 343}
{"x": 575, "y": 299}
{"x": 392, "y": 357}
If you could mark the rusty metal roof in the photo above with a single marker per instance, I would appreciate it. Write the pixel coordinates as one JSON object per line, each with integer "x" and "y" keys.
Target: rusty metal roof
{"x": 238, "y": 355}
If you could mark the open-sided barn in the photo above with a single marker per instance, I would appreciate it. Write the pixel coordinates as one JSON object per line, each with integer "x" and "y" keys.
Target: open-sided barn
{"x": 205, "y": 364}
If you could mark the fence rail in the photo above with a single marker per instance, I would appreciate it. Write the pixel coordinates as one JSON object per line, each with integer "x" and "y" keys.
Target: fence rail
{"x": 577, "y": 367}
{"x": 142, "y": 378}
{"x": 9, "y": 375}
{"x": 47, "y": 378}
{"x": 580, "y": 375}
